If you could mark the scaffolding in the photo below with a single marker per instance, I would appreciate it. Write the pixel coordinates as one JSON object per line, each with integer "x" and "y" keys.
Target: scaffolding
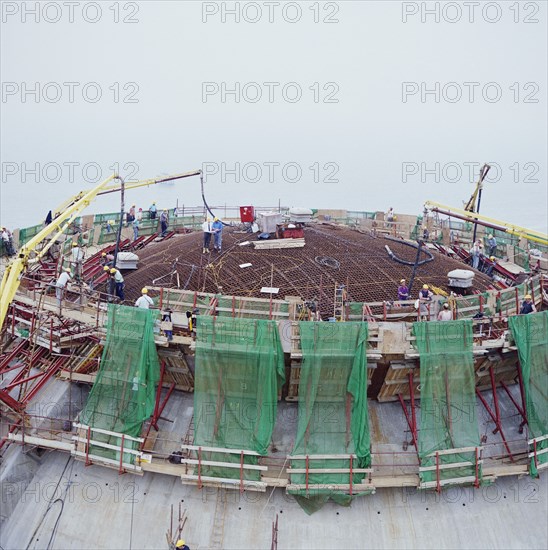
{"x": 448, "y": 439}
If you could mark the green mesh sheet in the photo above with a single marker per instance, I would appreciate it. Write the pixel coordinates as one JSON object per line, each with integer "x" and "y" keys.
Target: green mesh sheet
{"x": 448, "y": 400}
{"x": 333, "y": 417}
{"x": 124, "y": 392}
{"x": 530, "y": 333}
{"x": 239, "y": 370}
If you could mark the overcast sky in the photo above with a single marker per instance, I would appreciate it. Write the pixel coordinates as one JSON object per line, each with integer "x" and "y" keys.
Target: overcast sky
{"x": 349, "y": 104}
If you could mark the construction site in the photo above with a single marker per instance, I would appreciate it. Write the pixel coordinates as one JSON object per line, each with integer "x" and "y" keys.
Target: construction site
{"x": 316, "y": 378}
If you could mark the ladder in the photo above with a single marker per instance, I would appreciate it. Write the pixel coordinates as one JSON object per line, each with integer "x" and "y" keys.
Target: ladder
{"x": 339, "y": 301}
{"x": 218, "y": 529}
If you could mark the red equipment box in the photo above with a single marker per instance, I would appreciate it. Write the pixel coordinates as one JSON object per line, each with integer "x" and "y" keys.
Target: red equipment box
{"x": 247, "y": 214}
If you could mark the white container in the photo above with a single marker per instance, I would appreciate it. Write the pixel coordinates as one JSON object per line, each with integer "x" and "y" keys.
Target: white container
{"x": 268, "y": 220}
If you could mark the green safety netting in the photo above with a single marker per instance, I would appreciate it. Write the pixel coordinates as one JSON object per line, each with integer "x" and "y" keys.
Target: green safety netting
{"x": 239, "y": 370}
{"x": 448, "y": 400}
{"x": 124, "y": 392}
{"x": 333, "y": 417}
{"x": 530, "y": 333}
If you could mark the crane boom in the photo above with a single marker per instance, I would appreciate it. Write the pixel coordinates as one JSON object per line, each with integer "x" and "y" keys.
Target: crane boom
{"x": 64, "y": 215}
{"x": 511, "y": 228}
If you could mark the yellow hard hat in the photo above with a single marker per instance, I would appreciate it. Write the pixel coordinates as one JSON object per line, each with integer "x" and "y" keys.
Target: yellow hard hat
{"x": 144, "y": 290}
{"x": 528, "y": 297}
{"x": 425, "y": 287}
{"x": 112, "y": 270}
{"x": 180, "y": 543}
{"x": 492, "y": 258}
{"x": 103, "y": 254}
{"x": 67, "y": 269}
{"x": 74, "y": 244}
{"x": 106, "y": 268}
{"x": 215, "y": 219}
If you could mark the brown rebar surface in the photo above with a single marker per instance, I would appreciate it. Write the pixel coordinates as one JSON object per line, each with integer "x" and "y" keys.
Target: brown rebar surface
{"x": 364, "y": 265}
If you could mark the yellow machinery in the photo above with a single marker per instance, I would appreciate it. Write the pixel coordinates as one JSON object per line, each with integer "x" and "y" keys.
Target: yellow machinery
{"x": 476, "y": 195}
{"x": 64, "y": 215}
{"x": 512, "y": 229}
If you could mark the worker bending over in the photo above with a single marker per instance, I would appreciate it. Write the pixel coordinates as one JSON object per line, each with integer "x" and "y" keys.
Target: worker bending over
{"x": 145, "y": 301}
{"x": 116, "y": 276}
{"x": 61, "y": 283}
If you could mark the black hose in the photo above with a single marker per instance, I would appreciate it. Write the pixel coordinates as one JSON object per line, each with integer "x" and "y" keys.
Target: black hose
{"x": 205, "y": 202}
{"x": 406, "y": 262}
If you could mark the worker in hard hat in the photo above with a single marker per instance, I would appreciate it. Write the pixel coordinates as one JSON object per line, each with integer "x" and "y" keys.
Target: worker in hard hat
{"x": 403, "y": 290}
{"x": 207, "y": 230}
{"x": 135, "y": 226}
{"x": 425, "y": 233}
{"x": 217, "y": 227}
{"x": 152, "y": 211}
{"x": 491, "y": 245}
{"x": 144, "y": 301}
{"x": 164, "y": 222}
{"x": 181, "y": 545}
{"x": 425, "y": 301}
{"x": 491, "y": 266}
{"x": 527, "y": 306}
{"x": 445, "y": 313}
{"x": 107, "y": 259}
{"x": 116, "y": 276}
{"x": 61, "y": 283}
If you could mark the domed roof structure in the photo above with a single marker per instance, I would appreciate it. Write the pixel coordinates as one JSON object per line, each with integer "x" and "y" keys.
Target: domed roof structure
{"x": 332, "y": 255}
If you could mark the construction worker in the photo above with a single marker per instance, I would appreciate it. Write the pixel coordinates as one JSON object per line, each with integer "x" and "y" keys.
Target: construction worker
{"x": 217, "y": 227}
{"x": 491, "y": 245}
{"x": 527, "y": 306}
{"x": 445, "y": 314}
{"x": 491, "y": 266}
{"x": 164, "y": 222}
{"x": 167, "y": 324}
{"x": 61, "y": 283}
{"x": 107, "y": 260}
{"x": 403, "y": 291}
{"x": 139, "y": 216}
{"x": 425, "y": 299}
{"x": 118, "y": 282}
{"x": 180, "y": 545}
{"x": 77, "y": 260}
{"x": 144, "y": 301}
{"x": 425, "y": 233}
{"x": 7, "y": 239}
{"x": 135, "y": 225}
{"x": 476, "y": 253}
{"x": 130, "y": 216}
{"x": 152, "y": 210}
{"x": 208, "y": 231}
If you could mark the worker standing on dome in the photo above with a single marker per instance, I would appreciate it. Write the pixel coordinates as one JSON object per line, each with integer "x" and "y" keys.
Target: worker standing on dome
{"x": 152, "y": 210}
{"x": 492, "y": 245}
{"x": 164, "y": 222}
{"x": 130, "y": 216}
{"x": 403, "y": 291}
{"x": 145, "y": 301}
{"x": 425, "y": 300}
{"x": 476, "y": 252}
{"x": 135, "y": 225}
{"x": 208, "y": 231}
{"x": 217, "y": 233}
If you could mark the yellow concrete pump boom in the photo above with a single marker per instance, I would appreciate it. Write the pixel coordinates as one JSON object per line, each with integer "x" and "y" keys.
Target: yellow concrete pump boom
{"x": 64, "y": 215}
{"x": 529, "y": 234}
